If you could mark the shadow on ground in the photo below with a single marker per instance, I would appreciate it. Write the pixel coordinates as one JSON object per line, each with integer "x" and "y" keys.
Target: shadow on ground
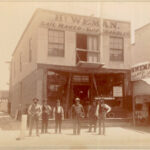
{"x": 8, "y": 123}
{"x": 141, "y": 129}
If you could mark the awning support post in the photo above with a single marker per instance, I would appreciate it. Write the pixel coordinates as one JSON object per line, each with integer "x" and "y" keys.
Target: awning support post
{"x": 101, "y": 117}
{"x": 68, "y": 91}
{"x": 133, "y": 106}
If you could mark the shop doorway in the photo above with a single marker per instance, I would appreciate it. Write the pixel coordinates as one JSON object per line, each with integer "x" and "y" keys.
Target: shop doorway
{"x": 82, "y": 92}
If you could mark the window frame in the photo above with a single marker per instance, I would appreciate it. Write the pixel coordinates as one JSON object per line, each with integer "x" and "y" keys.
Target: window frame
{"x": 56, "y": 43}
{"x": 116, "y": 49}
{"x": 95, "y": 52}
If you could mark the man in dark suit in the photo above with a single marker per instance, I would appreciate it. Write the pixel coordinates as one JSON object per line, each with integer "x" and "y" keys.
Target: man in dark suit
{"x": 46, "y": 110}
{"x": 92, "y": 115}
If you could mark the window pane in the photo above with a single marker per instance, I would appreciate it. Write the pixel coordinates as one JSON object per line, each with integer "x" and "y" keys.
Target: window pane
{"x": 116, "y": 48}
{"x": 50, "y": 33}
{"x": 92, "y": 42}
{"x": 56, "y": 43}
{"x": 51, "y": 39}
{"x": 95, "y": 43}
{"x": 92, "y": 57}
{"x": 61, "y": 34}
{"x": 89, "y": 43}
{"x": 55, "y": 34}
{"x": 116, "y": 43}
{"x": 60, "y": 40}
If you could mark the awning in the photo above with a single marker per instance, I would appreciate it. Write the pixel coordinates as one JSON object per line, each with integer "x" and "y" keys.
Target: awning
{"x": 93, "y": 65}
{"x": 147, "y": 80}
{"x": 76, "y": 69}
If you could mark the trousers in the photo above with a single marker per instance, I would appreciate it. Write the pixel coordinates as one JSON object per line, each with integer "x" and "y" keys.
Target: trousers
{"x": 76, "y": 125}
{"x": 32, "y": 120}
{"x": 44, "y": 125}
{"x": 101, "y": 122}
{"x": 92, "y": 122}
{"x": 58, "y": 122}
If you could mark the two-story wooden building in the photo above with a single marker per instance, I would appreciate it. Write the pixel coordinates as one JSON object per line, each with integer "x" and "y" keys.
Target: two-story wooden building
{"x": 65, "y": 56}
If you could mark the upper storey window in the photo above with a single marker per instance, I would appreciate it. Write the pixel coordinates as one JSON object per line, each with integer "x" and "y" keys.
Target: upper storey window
{"x": 116, "y": 49}
{"x": 56, "y": 43}
{"x": 87, "y": 48}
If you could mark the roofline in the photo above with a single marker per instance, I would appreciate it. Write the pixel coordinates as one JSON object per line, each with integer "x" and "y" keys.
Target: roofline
{"x": 29, "y": 23}
{"x": 142, "y": 27}
{"x": 46, "y": 10}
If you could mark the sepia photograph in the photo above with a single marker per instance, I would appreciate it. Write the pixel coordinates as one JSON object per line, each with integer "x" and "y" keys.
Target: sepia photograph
{"x": 74, "y": 75}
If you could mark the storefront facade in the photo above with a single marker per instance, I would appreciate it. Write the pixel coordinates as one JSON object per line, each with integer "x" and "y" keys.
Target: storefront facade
{"x": 140, "y": 77}
{"x": 68, "y": 57}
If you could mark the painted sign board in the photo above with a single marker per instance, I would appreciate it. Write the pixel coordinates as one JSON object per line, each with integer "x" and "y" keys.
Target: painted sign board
{"x": 84, "y": 24}
{"x": 117, "y": 91}
{"x": 140, "y": 71}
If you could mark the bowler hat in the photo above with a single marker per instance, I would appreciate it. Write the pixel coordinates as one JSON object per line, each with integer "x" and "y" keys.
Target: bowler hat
{"x": 35, "y": 99}
{"x": 77, "y": 99}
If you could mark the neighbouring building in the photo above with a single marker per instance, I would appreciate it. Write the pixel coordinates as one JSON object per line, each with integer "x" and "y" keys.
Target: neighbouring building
{"x": 4, "y": 105}
{"x": 65, "y": 56}
{"x": 140, "y": 74}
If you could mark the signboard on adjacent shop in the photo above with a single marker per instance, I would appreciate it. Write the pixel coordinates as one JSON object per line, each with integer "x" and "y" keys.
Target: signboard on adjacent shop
{"x": 140, "y": 71}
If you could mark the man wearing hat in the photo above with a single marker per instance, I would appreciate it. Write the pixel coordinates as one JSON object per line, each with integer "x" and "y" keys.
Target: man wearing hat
{"x": 102, "y": 110}
{"x": 58, "y": 114}
{"x": 34, "y": 112}
{"x": 92, "y": 115}
{"x": 46, "y": 110}
{"x": 77, "y": 112}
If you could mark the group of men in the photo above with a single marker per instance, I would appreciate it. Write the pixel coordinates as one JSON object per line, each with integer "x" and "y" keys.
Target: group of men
{"x": 96, "y": 111}
{"x": 35, "y": 111}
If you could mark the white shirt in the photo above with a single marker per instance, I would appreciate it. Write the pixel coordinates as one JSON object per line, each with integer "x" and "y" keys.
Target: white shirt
{"x": 59, "y": 109}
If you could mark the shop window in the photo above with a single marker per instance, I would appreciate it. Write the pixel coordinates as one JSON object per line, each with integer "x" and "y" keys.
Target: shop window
{"x": 56, "y": 43}
{"x": 87, "y": 48}
{"x": 116, "y": 49}
{"x": 56, "y": 84}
